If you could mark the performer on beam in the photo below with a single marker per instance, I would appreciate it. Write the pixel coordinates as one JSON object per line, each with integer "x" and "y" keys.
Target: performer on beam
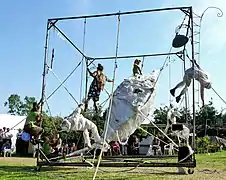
{"x": 96, "y": 86}
{"x": 193, "y": 73}
{"x": 136, "y": 68}
{"x": 32, "y": 121}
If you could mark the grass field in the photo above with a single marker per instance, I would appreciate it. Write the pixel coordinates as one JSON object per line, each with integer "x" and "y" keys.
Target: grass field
{"x": 212, "y": 166}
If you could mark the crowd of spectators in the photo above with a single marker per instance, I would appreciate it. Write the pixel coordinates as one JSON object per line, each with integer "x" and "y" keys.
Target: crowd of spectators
{"x": 6, "y": 147}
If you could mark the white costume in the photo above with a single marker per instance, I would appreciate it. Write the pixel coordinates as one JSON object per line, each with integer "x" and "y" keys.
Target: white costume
{"x": 194, "y": 73}
{"x": 197, "y": 74}
{"x": 77, "y": 122}
{"x": 171, "y": 119}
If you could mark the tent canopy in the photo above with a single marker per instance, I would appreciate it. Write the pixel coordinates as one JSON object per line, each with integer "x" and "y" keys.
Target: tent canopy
{"x": 13, "y": 123}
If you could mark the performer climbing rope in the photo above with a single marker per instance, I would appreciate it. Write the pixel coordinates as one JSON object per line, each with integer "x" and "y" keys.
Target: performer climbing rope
{"x": 96, "y": 86}
{"x": 196, "y": 73}
{"x": 136, "y": 68}
{"x": 32, "y": 123}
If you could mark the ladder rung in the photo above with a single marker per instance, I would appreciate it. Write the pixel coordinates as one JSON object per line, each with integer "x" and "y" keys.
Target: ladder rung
{"x": 196, "y": 25}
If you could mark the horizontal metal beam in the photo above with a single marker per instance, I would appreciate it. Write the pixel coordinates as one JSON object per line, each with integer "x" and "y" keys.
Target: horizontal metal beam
{"x": 110, "y": 164}
{"x": 135, "y": 56}
{"x": 134, "y": 157}
{"x": 119, "y": 13}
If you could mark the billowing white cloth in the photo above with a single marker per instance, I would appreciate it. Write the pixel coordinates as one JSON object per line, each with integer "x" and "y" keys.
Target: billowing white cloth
{"x": 77, "y": 122}
{"x": 132, "y": 95}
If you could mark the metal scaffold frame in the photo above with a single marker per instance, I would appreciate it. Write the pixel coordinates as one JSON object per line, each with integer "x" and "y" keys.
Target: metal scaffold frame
{"x": 51, "y": 23}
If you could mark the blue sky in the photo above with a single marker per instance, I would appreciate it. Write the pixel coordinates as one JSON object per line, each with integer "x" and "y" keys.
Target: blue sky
{"x": 23, "y": 26}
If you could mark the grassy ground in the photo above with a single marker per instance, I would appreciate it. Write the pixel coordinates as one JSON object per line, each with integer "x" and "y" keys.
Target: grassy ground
{"x": 212, "y": 166}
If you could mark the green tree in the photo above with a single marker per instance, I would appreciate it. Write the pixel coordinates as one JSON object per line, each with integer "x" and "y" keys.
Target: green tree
{"x": 223, "y": 118}
{"x": 160, "y": 115}
{"x": 207, "y": 115}
{"x": 17, "y": 106}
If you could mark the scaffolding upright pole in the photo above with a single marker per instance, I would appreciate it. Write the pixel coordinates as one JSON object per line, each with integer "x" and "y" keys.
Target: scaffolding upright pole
{"x": 44, "y": 66}
{"x": 193, "y": 64}
{"x": 44, "y": 75}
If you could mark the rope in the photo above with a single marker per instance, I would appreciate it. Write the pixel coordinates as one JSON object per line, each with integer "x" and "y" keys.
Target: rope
{"x": 158, "y": 128}
{"x": 45, "y": 99}
{"x": 170, "y": 98}
{"x": 155, "y": 137}
{"x": 111, "y": 98}
{"x": 142, "y": 65}
{"x": 186, "y": 97}
{"x": 219, "y": 96}
{"x": 104, "y": 102}
{"x": 83, "y": 49}
{"x": 63, "y": 85}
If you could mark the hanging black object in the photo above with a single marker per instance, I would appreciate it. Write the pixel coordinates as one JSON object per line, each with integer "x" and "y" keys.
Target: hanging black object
{"x": 179, "y": 41}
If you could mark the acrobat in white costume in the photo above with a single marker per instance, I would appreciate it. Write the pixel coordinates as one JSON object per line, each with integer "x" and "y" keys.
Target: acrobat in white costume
{"x": 196, "y": 73}
{"x": 171, "y": 119}
{"x": 77, "y": 122}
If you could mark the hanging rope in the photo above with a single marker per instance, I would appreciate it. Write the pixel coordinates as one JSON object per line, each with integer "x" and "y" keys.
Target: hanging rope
{"x": 142, "y": 65}
{"x": 219, "y": 96}
{"x": 111, "y": 98}
{"x": 158, "y": 128}
{"x": 186, "y": 98}
{"x": 155, "y": 137}
{"x": 83, "y": 50}
{"x": 170, "y": 98}
{"x": 168, "y": 57}
{"x": 54, "y": 125}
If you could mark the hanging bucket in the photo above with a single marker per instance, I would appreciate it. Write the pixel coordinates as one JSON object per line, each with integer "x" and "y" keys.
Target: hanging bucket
{"x": 25, "y": 136}
{"x": 179, "y": 41}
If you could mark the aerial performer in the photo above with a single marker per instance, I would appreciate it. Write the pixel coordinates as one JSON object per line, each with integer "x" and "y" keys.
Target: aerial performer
{"x": 136, "y": 67}
{"x": 97, "y": 85}
{"x": 32, "y": 123}
{"x": 196, "y": 73}
{"x": 77, "y": 122}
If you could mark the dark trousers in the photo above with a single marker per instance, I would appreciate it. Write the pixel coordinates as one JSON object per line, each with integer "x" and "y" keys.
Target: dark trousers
{"x": 33, "y": 131}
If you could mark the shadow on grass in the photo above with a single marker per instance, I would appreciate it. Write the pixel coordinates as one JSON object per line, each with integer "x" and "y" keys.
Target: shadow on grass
{"x": 65, "y": 172}
{"x": 30, "y": 172}
{"x": 32, "y": 169}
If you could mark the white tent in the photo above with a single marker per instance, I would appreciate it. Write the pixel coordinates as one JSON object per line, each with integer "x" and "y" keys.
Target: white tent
{"x": 13, "y": 123}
